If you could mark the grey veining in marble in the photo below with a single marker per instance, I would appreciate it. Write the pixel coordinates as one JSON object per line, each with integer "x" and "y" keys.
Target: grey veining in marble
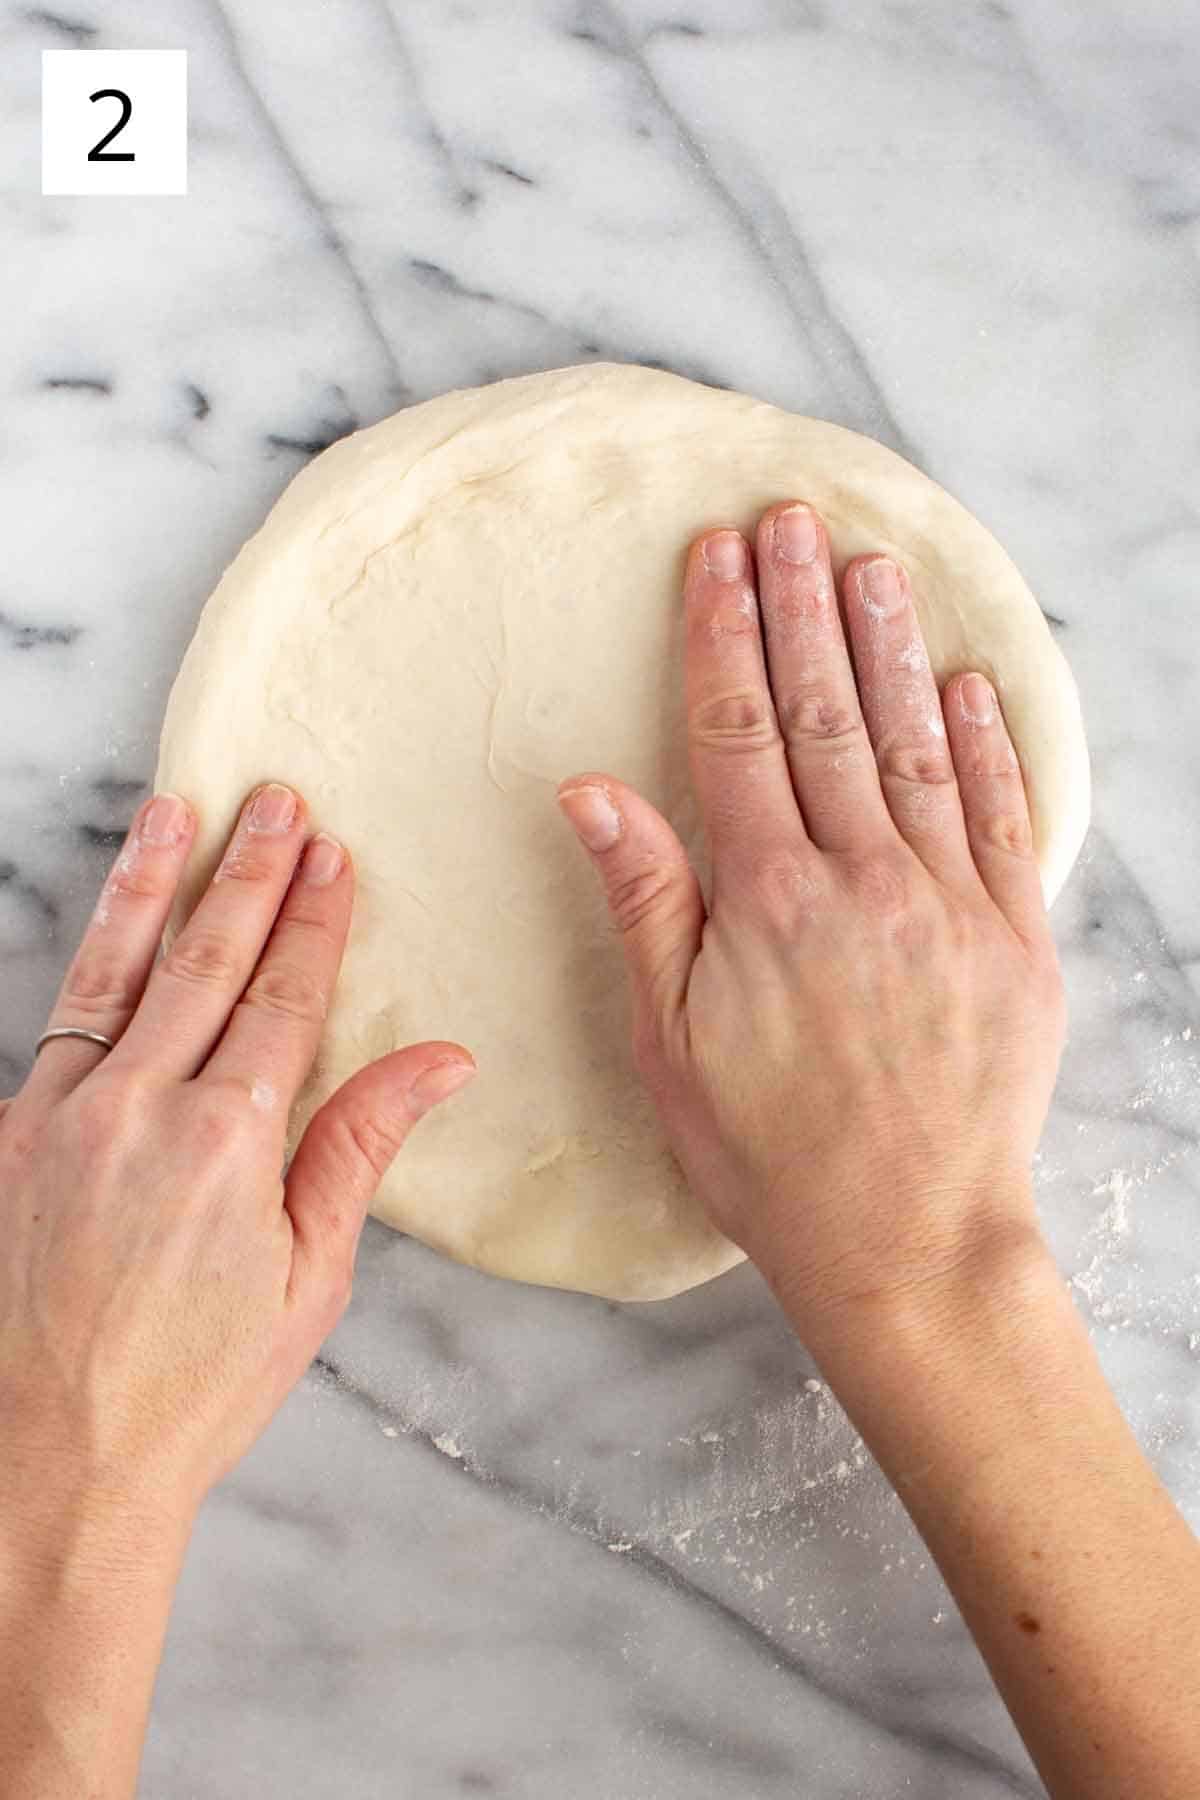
{"x": 505, "y": 1541}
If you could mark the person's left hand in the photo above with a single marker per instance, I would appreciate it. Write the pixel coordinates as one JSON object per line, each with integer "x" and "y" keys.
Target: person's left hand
{"x": 162, "y": 1283}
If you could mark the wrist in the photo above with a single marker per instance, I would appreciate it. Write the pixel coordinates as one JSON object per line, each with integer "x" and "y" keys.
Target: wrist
{"x": 944, "y": 1384}
{"x": 960, "y": 1299}
{"x": 67, "y": 1532}
{"x": 86, "y": 1582}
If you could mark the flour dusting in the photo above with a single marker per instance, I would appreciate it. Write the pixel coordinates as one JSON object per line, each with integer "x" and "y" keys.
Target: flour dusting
{"x": 1114, "y": 1220}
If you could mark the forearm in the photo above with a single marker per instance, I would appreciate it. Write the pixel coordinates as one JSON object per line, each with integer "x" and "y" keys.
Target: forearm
{"x": 84, "y": 1599}
{"x": 1077, "y": 1576}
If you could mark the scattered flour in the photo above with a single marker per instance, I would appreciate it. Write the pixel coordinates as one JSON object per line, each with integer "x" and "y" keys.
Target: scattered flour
{"x": 1105, "y": 1239}
{"x": 1114, "y": 1220}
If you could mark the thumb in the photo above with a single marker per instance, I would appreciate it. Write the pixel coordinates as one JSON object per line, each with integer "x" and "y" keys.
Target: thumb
{"x": 652, "y": 888}
{"x": 348, "y": 1146}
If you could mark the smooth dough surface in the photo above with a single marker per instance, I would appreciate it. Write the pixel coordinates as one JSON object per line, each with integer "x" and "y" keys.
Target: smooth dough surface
{"x": 442, "y": 617}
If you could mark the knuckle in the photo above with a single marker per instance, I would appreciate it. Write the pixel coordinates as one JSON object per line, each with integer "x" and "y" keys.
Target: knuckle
{"x": 221, "y": 1114}
{"x": 135, "y": 879}
{"x": 374, "y": 1141}
{"x": 880, "y": 884}
{"x": 105, "y": 1111}
{"x": 922, "y": 934}
{"x": 306, "y": 920}
{"x": 634, "y": 893}
{"x": 782, "y": 886}
{"x": 202, "y": 959}
{"x": 999, "y": 764}
{"x": 813, "y": 715}
{"x": 739, "y": 719}
{"x": 98, "y": 984}
{"x": 1007, "y": 830}
{"x": 246, "y": 862}
{"x": 931, "y": 809}
{"x": 287, "y": 989}
{"x": 923, "y": 762}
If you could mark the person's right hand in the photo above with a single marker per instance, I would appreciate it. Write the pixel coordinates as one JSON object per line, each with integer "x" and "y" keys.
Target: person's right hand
{"x": 853, "y": 1050}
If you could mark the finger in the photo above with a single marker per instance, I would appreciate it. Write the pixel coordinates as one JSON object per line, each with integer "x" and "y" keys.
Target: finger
{"x": 194, "y": 988}
{"x": 347, "y": 1148}
{"x": 108, "y": 973}
{"x": 994, "y": 802}
{"x": 738, "y": 766}
{"x": 903, "y": 711}
{"x": 272, "y": 1035}
{"x": 816, "y": 701}
{"x": 652, "y": 889}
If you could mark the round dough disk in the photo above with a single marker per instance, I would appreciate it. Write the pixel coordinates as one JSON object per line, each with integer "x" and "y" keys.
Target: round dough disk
{"x": 442, "y": 617}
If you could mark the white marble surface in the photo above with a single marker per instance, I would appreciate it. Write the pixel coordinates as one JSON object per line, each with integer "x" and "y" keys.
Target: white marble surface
{"x": 507, "y": 1541}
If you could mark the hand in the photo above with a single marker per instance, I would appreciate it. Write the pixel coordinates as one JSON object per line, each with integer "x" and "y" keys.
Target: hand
{"x": 162, "y": 1284}
{"x": 853, "y": 1048}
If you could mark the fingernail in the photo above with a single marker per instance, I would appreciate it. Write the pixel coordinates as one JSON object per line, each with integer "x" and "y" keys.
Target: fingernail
{"x": 273, "y": 809}
{"x": 440, "y": 1080}
{"x": 879, "y": 584}
{"x": 725, "y": 555}
{"x": 322, "y": 861}
{"x": 977, "y": 700}
{"x": 795, "y": 534}
{"x": 164, "y": 821}
{"x": 593, "y": 815}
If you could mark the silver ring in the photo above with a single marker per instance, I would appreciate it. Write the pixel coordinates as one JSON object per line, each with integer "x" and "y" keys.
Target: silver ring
{"x": 74, "y": 1031}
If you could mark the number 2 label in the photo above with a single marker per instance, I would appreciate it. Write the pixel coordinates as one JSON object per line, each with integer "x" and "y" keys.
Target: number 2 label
{"x": 98, "y": 153}
{"x": 114, "y": 122}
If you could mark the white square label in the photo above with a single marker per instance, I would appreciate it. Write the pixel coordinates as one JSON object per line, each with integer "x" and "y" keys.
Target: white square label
{"x": 114, "y": 121}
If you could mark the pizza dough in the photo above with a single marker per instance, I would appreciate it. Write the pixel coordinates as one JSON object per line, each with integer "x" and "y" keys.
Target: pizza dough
{"x": 441, "y": 618}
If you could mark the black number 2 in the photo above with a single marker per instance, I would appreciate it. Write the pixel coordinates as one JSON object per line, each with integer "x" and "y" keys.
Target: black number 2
{"x": 98, "y": 152}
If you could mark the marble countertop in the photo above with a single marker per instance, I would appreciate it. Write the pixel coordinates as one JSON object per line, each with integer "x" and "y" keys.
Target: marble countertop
{"x": 505, "y": 1541}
